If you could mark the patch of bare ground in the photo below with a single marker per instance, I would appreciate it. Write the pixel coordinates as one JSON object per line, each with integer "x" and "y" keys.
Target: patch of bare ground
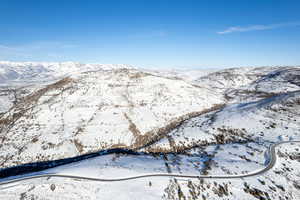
{"x": 78, "y": 145}
{"x": 257, "y": 193}
{"x": 130, "y": 73}
{"x": 118, "y": 145}
{"x": 132, "y": 127}
{"x": 138, "y": 75}
{"x": 229, "y": 135}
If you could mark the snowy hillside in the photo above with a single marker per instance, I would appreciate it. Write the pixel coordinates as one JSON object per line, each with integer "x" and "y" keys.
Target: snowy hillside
{"x": 175, "y": 121}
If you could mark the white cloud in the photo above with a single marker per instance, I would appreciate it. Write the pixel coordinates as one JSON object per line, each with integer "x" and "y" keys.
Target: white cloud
{"x": 38, "y": 46}
{"x": 258, "y": 27}
{"x": 42, "y": 48}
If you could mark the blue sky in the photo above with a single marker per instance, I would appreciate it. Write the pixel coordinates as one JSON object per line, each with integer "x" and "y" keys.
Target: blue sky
{"x": 150, "y": 33}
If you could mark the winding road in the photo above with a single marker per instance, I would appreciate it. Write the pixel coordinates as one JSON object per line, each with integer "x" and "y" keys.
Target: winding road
{"x": 271, "y": 154}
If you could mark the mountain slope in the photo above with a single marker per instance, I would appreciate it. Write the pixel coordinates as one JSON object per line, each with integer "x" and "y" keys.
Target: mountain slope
{"x": 91, "y": 111}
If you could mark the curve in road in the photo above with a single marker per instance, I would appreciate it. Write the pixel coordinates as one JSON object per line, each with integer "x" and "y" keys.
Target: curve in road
{"x": 270, "y": 165}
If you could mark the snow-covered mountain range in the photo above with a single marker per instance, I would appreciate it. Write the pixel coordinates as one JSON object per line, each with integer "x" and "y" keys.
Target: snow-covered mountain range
{"x": 12, "y": 72}
{"x": 198, "y": 121}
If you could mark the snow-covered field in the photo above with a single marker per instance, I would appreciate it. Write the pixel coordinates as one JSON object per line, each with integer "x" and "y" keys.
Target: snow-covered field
{"x": 190, "y": 122}
{"x": 282, "y": 182}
